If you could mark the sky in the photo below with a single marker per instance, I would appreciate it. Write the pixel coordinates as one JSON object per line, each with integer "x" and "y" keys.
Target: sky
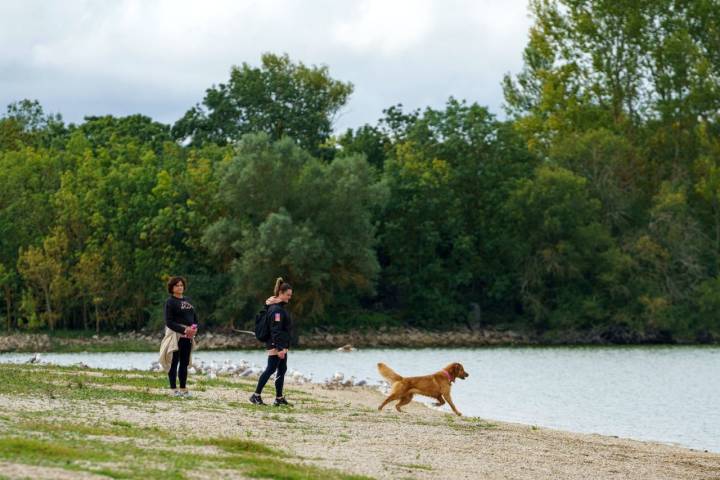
{"x": 157, "y": 57}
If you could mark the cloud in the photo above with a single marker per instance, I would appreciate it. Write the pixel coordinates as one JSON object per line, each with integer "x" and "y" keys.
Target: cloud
{"x": 389, "y": 28}
{"x": 94, "y": 57}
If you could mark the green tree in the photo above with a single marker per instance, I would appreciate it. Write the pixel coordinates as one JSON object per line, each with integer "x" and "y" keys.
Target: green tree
{"x": 42, "y": 267}
{"x": 285, "y": 213}
{"x": 103, "y": 131}
{"x": 367, "y": 140}
{"x": 443, "y": 246}
{"x": 560, "y": 249}
{"x": 7, "y": 280}
{"x": 280, "y": 98}
{"x": 26, "y": 123}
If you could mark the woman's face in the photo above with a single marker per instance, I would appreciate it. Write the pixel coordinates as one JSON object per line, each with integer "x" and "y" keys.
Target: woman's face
{"x": 285, "y": 296}
{"x": 178, "y": 289}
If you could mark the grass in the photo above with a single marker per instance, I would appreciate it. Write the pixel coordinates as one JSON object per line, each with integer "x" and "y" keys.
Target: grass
{"x": 49, "y": 383}
{"x": 121, "y": 448}
{"x": 414, "y": 466}
{"x": 65, "y": 447}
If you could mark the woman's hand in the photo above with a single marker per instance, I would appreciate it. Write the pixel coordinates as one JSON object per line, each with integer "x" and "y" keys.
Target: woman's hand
{"x": 190, "y": 332}
{"x": 281, "y": 353}
{"x": 272, "y": 300}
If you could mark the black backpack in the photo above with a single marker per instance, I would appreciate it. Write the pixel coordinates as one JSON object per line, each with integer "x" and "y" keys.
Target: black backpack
{"x": 262, "y": 325}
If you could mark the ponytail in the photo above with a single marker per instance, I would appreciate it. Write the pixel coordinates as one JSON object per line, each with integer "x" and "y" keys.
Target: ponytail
{"x": 281, "y": 286}
{"x": 278, "y": 282}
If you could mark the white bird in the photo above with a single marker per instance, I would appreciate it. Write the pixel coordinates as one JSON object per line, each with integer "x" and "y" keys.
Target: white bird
{"x": 35, "y": 359}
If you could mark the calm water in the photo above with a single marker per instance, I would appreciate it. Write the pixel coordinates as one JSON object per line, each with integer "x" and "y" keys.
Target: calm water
{"x": 667, "y": 394}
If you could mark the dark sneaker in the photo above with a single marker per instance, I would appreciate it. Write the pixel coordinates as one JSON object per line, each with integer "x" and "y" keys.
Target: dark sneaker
{"x": 280, "y": 402}
{"x": 256, "y": 399}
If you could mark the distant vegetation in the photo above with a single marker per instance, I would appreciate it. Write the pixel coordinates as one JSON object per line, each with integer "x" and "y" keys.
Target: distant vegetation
{"x": 594, "y": 206}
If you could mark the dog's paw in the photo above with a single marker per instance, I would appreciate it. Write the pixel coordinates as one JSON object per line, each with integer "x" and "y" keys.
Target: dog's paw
{"x": 458, "y": 414}
{"x": 437, "y": 404}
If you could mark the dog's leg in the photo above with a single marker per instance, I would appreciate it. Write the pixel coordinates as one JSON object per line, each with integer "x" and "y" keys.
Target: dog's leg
{"x": 440, "y": 401}
{"x": 390, "y": 398}
{"x": 403, "y": 401}
{"x": 450, "y": 402}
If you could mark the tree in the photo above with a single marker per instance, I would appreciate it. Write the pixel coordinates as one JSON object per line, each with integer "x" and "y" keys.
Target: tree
{"x": 25, "y": 123}
{"x": 616, "y": 65}
{"x": 670, "y": 256}
{"x": 280, "y": 98}
{"x": 442, "y": 243}
{"x": 91, "y": 284}
{"x": 7, "y": 279}
{"x": 559, "y": 249}
{"x": 43, "y": 268}
{"x": 102, "y": 131}
{"x": 285, "y": 213}
{"x": 368, "y": 140}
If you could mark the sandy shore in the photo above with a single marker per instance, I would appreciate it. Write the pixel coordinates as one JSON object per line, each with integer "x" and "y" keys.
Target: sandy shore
{"x": 341, "y": 429}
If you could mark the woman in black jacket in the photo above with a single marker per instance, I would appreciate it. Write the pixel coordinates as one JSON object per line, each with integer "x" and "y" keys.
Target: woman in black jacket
{"x": 180, "y": 317}
{"x": 277, "y": 345}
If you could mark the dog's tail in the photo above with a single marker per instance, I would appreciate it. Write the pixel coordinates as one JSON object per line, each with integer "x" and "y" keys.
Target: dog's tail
{"x": 388, "y": 373}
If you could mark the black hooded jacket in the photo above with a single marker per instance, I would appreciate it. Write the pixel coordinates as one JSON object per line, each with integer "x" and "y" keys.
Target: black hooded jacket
{"x": 280, "y": 324}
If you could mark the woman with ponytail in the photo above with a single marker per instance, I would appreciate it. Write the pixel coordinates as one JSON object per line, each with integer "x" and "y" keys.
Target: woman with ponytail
{"x": 277, "y": 345}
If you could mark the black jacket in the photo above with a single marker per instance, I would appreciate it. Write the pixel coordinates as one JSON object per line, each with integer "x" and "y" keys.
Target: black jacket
{"x": 280, "y": 324}
{"x": 179, "y": 313}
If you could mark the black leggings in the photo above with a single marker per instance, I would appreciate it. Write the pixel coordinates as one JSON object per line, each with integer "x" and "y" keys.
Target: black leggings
{"x": 274, "y": 363}
{"x": 181, "y": 356}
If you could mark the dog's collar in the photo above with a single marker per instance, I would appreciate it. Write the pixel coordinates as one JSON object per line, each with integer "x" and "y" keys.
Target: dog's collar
{"x": 449, "y": 377}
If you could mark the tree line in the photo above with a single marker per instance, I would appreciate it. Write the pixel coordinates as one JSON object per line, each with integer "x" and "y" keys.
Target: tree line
{"x": 592, "y": 205}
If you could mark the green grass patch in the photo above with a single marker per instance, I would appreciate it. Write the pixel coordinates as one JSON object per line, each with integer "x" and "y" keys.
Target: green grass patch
{"x": 37, "y": 449}
{"x": 239, "y": 445}
{"x": 122, "y": 449}
{"x": 469, "y": 423}
{"x": 65, "y": 383}
{"x": 414, "y": 466}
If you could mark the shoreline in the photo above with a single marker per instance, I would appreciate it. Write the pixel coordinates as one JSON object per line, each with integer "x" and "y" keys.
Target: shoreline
{"x": 330, "y": 430}
{"x": 316, "y": 339}
{"x": 301, "y": 381}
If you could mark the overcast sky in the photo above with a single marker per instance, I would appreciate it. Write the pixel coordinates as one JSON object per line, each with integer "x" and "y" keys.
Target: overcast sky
{"x": 157, "y": 57}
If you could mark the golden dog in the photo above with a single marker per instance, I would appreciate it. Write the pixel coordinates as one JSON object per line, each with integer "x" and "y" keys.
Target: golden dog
{"x": 436, "y": 385}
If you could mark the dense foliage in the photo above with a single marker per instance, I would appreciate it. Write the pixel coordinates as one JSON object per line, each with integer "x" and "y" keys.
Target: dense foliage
{"x": 593, "y": 207}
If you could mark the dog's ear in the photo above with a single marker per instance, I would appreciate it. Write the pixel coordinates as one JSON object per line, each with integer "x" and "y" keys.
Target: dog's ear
{"x": 457, "y": 369}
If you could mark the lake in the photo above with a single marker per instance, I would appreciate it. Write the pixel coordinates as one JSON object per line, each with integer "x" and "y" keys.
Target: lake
{"x": 666, "y": 394}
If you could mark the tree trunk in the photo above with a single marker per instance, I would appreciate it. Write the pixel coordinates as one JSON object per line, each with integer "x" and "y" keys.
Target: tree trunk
{"x": 85, "y": 316}
{"x": 97, "y": 319}
{"x": 8, "y": 307}
{"x": 48, "y": 309}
